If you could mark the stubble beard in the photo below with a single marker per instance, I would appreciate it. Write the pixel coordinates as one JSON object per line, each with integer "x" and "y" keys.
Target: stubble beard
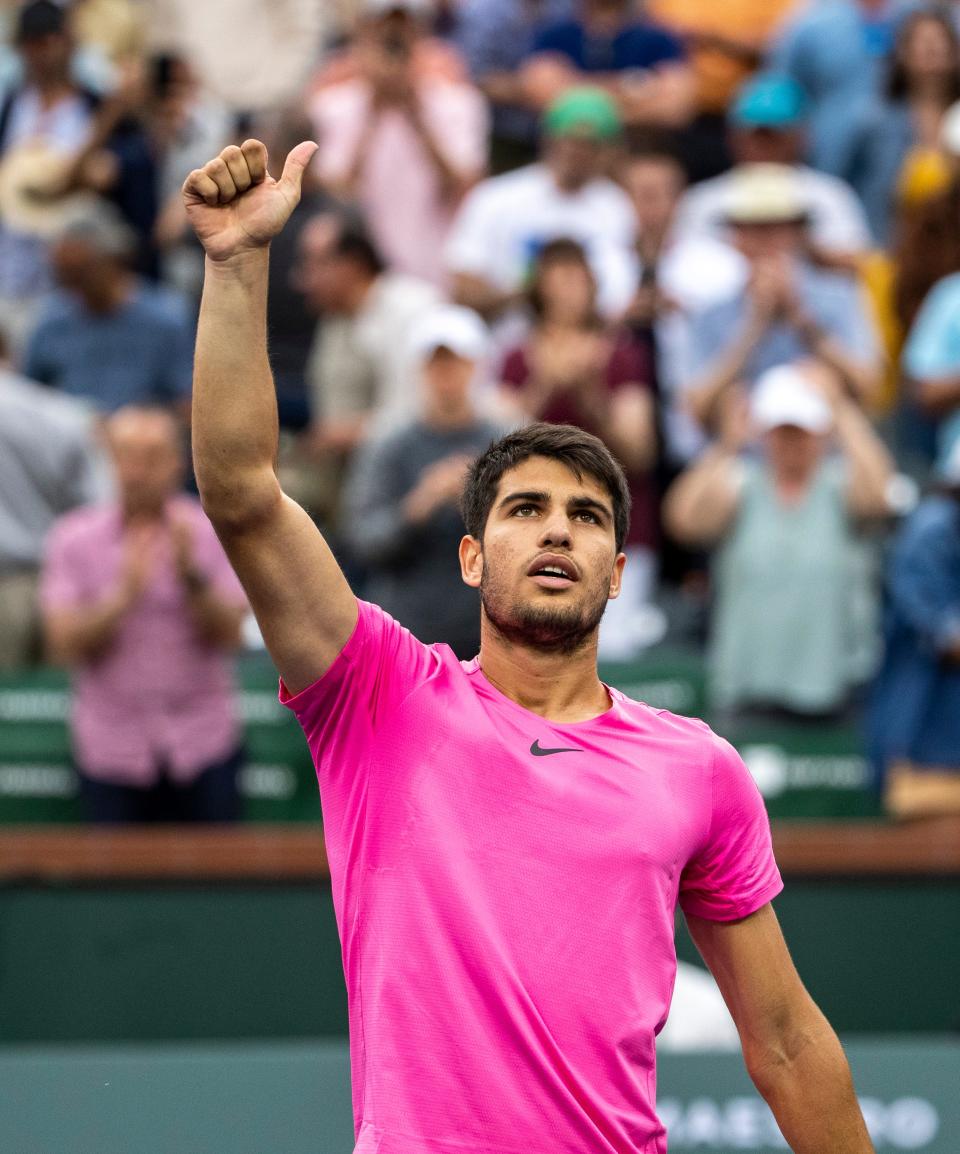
{"x": 562, "y": 629}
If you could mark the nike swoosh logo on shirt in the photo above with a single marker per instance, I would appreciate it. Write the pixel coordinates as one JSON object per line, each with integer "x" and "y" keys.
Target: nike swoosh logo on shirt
{"x": 538, "y": 752}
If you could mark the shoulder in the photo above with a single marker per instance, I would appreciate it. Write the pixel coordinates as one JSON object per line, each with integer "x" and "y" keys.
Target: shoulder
{"x": 83, "y": 527}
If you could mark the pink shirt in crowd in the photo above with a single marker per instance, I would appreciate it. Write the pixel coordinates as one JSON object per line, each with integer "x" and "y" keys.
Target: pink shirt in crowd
{"x": 505, "y": 888}
{"x": 400, "y": 190}
{"x": 158, "y": 696}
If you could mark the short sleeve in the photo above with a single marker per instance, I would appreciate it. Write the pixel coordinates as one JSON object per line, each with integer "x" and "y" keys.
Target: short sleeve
{"x": 933, "y": 346}
{"x": 381, "y": 664}
{"x": 471, "y": 243}
{"x": 734, "y": 872}
{"x": 61, "y": 585}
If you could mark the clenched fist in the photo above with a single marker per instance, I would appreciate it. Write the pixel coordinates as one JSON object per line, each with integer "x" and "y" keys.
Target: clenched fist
{"x": 235, "y": 205}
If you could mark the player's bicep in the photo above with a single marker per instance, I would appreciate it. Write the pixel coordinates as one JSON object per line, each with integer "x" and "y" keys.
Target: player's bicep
{"x": 752, "y": 966}
{"x": 302, "y": 602}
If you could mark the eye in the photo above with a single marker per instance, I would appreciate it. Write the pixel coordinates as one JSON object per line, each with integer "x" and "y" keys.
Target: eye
{"x": 523, "y": 510}
{"x": 586, "y": 515}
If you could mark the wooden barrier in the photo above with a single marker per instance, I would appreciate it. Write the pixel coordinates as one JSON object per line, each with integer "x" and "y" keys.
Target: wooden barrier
{"x": 44, "y": 854}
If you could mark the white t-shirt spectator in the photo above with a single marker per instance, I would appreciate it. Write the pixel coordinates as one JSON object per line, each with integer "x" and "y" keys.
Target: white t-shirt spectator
{"x": 507, "y": 219}
{"x": 837, "y": 220}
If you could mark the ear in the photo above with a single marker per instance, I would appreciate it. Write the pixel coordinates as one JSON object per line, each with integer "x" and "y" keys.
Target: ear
{"x": 471, "y": 562}
{"x": 616, "y": 577}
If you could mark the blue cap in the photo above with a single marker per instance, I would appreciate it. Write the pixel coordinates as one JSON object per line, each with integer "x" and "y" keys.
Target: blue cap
{"x": 769, "y": 101}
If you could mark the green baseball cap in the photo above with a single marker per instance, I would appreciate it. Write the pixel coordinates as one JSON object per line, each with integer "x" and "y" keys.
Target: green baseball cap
{"x": 586, "y": 112}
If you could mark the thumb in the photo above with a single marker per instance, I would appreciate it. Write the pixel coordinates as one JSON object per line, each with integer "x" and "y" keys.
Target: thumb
{"x": 296, "y": 164}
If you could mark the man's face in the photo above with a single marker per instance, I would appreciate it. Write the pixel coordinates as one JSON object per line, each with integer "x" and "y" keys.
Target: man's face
{"x": 75, "y": 264}
{"x": 447, "y": 378}
{"x": 793, "y": 453}
{"x": 548, "y": 562}
{"x": 767, "y": 145}
{"x": 574, "y": 160}
{"x": 46, "y": 58}
{"x": 147, "y": 460}
{"x": 654, "y": 184}
{"x": 320, "y": 271}
{"x": 769, "y": 241}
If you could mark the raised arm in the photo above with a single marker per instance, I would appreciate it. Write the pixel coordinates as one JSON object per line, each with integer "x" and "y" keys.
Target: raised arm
{"x": 301, "y": 599}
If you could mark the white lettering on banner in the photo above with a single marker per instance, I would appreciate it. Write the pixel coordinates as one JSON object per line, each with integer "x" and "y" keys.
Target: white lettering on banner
{"x": 37, "y": 781}
{"x": 747, "y": 1124}
{"x": 33, "y": 705}
{"x": 775, "y": 770}
{"x": 268, "y": 782}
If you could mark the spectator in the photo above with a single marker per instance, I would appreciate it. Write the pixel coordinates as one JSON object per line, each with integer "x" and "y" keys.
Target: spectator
{"x": 505, "y": 220}
{"x": 835, "y": 50}
{"x": 925, "y": 247}
{"x": 251, "y": 56}
{"x": 186, "y": 128}
{"x": 109, "y": 336}
{"x": 766, "y": 125}
{"x": 572, "y": 371}
{"x": 44, "y": 122}
{"x": 923, "y": 81}
{"x": 496, "y": 37}
{"x": 726, "y": 43}
{"x": 405, "y": 145}
{"x": 789, "y": 310}
{"x": 359, "y": 374}
{"x": 402, "y": 500}
{"x": 641, "y": 65}
{"x": 361, "y": 367}
{"x": 139, "y": 600}
{"x": 682, "y": 273}
{"x": 794, "y": 612}
{"x": 49, "y": 463}
{"x": 915, "y": 708}
{"x": 931, "y": 362}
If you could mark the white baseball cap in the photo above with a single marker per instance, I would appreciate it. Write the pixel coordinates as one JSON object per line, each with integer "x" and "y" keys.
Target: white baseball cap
{"x": 784, "y": 395}
{"x": 450, "y": 327}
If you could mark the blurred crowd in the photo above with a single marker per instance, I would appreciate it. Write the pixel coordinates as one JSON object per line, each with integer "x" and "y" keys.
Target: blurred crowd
{"x": 724, "y": 237}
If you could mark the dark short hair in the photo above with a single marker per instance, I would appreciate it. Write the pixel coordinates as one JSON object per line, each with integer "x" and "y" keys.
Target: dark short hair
{"x": 355, "y": 244}
{"x": 582, "y": 453}
{"x": 38, "y": 19}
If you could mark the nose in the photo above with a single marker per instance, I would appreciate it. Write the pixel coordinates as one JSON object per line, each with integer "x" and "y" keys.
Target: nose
{"x": 556, "y": 530}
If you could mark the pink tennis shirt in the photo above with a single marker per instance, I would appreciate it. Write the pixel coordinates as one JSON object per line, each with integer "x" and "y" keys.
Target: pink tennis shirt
{"x": 505, "y": 888}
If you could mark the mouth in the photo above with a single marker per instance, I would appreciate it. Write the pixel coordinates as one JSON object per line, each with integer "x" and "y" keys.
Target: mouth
{"x": 551, "y": 571}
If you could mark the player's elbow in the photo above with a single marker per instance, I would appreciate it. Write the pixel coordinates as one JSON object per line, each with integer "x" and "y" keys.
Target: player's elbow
{"x": 237, "y": 503}
{"x": 774, "y": 1059}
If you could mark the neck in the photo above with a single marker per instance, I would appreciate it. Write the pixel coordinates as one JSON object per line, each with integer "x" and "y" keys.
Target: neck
{"x": 449, "y": 417}
{"x": 357, "y": 295}
{"x": 561, "y": 687}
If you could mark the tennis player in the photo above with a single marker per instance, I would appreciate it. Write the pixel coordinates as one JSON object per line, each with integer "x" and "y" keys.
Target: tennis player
{"x": 508, "y": 837}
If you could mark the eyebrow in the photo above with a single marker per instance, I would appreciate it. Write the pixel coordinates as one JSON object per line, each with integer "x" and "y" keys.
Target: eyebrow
{"x": 542, "y": 497}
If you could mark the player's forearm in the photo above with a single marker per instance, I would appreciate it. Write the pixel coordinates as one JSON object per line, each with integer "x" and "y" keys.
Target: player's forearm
{"x": 810, "y": 1091}
{"x": 235, "y": 427}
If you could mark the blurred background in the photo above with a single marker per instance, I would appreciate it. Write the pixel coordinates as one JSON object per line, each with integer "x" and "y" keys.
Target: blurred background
{"x": 723, "y": 237}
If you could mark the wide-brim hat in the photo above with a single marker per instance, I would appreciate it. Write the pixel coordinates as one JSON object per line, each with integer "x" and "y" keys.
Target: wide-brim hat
{"x": 765, "y": 194}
